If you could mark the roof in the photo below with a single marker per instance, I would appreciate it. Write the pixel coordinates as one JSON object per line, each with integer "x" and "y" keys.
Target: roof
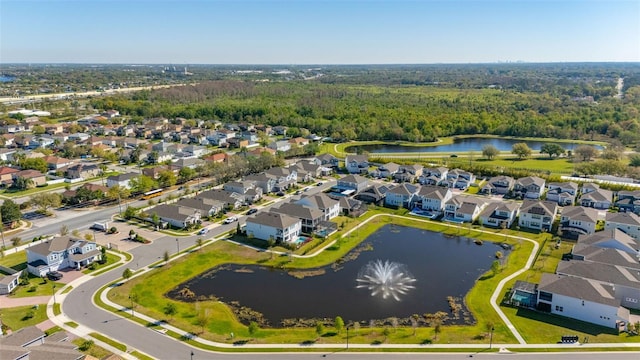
{"x": 122, "y": 177}
{"x": 538, "y": 207}
{"x": 321, "y": 201}
{"x": 28, "y": 174}
{"x": 22, "y": 337}
{"x": 525, "y": 286}
{"x": 298, "y": 211}
{"x": 354, "y": 179}
{"x": 430, "y": 191}
{"x": 598, "y": 195}
{"x": 56, "y": 244}
{"x": 175, "y": 212}
{"x": 530, "y": 180}
{"x": 580, "y": 213}
{"x": 626, "y": 218}
{"x": 563, "y": 185}
{"x": 356, "y": 158}
{"x": 272, "y": 219}
{"x": 578, "y": 288}
{"x": 605, "y": 273}
{"x": 7, "y": 170}
{"x": 199, "y": 203}
{"x": 404, "y": 189}
{"x": 80, "y": 257}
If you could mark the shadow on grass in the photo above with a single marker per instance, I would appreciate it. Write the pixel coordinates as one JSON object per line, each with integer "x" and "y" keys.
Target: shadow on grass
{"x": 308, "y": 342}
{"x": 567, "y": 323}
{"x": 240, "y": 342}
{"x": 329, "y": 334}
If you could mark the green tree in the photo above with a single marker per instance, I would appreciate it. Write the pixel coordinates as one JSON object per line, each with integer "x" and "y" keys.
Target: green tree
{"x": 127, "y": 273}
{"x": 64, "y": 230}
{"x": 167, "y": 178}
{"x": 552, "y": 149}
{"x": 496, "y": 267}
{"x": 521, "y": 150}
{"x": 21, "y": 183}
{"x": 15, "y": 241}
{"x": 253, "y": 328}
{"x": 46, "y": 201}
{"x": 634, "y": 160}
{"x": 338, "y": 323}
{"x": 490, "y": 151}
{"x": 166, "y": 257}
{"x": 319, "y": 328}
{"x": 10, "y": 212}
{"x": 39, "y": 164}
{"x": 199, "y": 242}
{"x": 38, "y": 130}
{"x": 142, "y": 183}
{"x": 118, "y": 191}
{"x": 186, "y": 174}
{"x": 170, "y": 309}
{"x": 585, "y": 152}
{"x": 130, "y": 212}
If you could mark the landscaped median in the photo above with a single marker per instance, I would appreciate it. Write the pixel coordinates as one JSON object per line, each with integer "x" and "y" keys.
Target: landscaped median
{"x": 219, "y": 322}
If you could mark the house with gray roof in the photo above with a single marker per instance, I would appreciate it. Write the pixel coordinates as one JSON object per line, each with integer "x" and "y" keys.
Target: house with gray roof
{"x": 433, "y": 198}
{"x": 327, "y": 160}
{"x": 206, "y": 206}
{"x": 31, "y": 343}
{"x": 10, "y": 281}
{"x": 403, "y": 195}
{"x": 357, "y": 164}
{"x": 329, "y": 207}
{"x": 265, "y": 182}
{"x": 564, "y": 193}
{"x": 611, "y": 247}
{"x": 628, "y": 222}
{"x": 271, "y": 225}
{"x": 408, "y": 173}
{"x": 581, "y": 299}
{"x": 374, "y": 194}
{"x": 229, "y": 199}
{"x": 459, "y": 179}
{"x": 598, "y": 199}
{"x": 385, "y": 170}
{"x": 499, "y": 185}
{"x": 353, "y": 182}
{"x": 60, "y": 253}
{"x": 310, "y": 217}
{"x": 537, "y": 215}
{"x": 589, "y": 187}
{"x": 463, "y": 208}
{"x": 175, "y": 215}
{"x": 433, "y": 176}
{"x": 122, "y": 180}
{"x": 578, "y": 220}
{"x": 529, "y": 187}
{"x": 500, "y": 214}
{"x": 628, "y": 201}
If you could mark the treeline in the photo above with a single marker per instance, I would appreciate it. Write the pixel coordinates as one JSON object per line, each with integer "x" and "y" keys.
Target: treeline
{"x": 368, "y": 112}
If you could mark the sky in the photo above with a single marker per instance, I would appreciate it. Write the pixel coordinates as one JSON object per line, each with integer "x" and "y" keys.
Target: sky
{"x": 318, "y": 31}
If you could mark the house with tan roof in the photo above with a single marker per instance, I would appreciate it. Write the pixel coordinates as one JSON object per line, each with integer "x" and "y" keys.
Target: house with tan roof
{"x": 37, "y": 178}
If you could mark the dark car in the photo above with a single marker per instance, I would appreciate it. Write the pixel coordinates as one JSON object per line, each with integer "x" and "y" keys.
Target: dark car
{"x": 280, "y": 193}
{"x": 252, "y": 211}
{"x": 54, "y": 276}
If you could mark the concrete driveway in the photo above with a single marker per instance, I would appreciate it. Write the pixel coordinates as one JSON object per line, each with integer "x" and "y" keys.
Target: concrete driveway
{"x": 120, "y": 240}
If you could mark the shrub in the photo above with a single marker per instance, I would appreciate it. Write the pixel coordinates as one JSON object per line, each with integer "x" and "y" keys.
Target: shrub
{"x": 86, "y": 345}
{"x": 113, "y": 230}
{"x": 32, "y": 289}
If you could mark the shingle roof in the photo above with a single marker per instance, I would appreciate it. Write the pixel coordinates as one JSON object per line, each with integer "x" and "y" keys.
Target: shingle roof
{"x": 538, "y": 207}
{"x": 56, "y": 244}
{"x": 275, "y": 220}
{"x": 580, "y": 213}
{"x": 578, "y": 288}
{"x": 626, "y": 218}
{"x": 298, "y": 211}
{"x": 610, "y": 274}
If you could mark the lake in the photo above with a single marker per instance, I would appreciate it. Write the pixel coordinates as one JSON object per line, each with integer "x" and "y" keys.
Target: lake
{"x": 439, "y": 266}
{"x": 459, "y": 145}
{"x": 5, "y": 78}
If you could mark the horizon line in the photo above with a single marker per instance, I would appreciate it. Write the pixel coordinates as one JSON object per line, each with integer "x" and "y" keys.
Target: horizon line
{"x": 326, "y": 64}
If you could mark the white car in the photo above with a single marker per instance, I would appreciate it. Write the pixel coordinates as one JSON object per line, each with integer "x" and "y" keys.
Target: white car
{"x": 203, "y": 231}
{"x": 229, "y": 220}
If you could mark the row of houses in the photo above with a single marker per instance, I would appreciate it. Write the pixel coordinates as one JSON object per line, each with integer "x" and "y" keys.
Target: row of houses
{"x": 598, "y": 284}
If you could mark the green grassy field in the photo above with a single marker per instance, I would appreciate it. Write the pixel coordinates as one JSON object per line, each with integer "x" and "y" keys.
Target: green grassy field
{"x": 22, "y": 316}
{"x": 36, "y": 287}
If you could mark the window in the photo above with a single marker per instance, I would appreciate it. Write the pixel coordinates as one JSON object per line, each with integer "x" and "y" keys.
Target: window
{"x": 546, "y": 296}
{"x": 631, "y": 300}
{"x": 559, "y": 308}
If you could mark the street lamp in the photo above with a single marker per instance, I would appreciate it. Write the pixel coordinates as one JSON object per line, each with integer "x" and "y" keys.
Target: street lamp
{"x": 347, "y": 336}
{"x": 192, "y": 355}
{"x": 178, "y": 245}
{"x": 131, "y": 298}
{"x": 53, "y": 290}
{"x": 491, "y": 338}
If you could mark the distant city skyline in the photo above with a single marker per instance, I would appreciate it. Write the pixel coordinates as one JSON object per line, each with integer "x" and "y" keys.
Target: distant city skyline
{"x": 318, "y": 32}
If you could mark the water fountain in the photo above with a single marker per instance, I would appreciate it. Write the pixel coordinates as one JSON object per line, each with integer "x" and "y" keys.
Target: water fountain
{"x": 386, "y": 279}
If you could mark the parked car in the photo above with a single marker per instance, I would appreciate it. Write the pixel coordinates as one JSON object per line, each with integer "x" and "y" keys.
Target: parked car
{"x": 298, "y": 192}
{"x": 203, "y": 231}
{"x": 252, "y": 211}
{"x": 229, "y": 220}
{"x": 280, "y": 193}
{"x": 318, "y": 184}
{"x": 54, "y": 276}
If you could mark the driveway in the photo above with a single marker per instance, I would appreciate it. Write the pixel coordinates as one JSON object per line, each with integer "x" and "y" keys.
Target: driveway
{"x": 120, "y": 240}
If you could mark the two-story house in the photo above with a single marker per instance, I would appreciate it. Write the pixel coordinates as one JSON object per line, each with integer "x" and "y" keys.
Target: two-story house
{"x": 628, "y": 201}
{"x": 408, "y": 173}
{"x": 122, "y": 180}
{"x": 329, "y": 207}
{"x": 433, "y": 198}
{"x": 564, "y": 193}
{"x": 500, "y": 214}
{"x": 357, "y": 164}
{"x": 309, "y": 216}
{"x": 385, "y": 170}
{"x": 280, "y": 228}
{"x": 499, "y": 185}
{"x": 433, "y": 176}
{"x": 459, "y": 179}
{"x": 463, "y": 208}
{"x": 578, "y": 220}
{"x": 627, "y": 222}
{"x": 537, "y": 215}
{"x": 530, "y": 187}
{"x": 60, "y": 253}
{"x": 598, "y": 199}
{"x": 403, "y": 195}
{"x": 353, "y": 182}
{"x": 327, "y": 160}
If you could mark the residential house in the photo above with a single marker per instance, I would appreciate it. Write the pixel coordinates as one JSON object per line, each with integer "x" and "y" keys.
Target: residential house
{"x": 578, "y": 220}
{"x": 31, "y": 343}
{"x": 581, "y": 299}
{"x": 195, "y": 150}
{"x": 7, "y": 155}
{"x": 403, "y": 195}
{"x": 499, "y": 185}
{"x": 625, "y": 282}
{"x": 463, "y": 208}
{"x": 285, "y": 177}
{"x": 433, "y": 198}
{"x": 311, "y": 170}
{"x": 589, "y": 187}
{"x": 353, "y": 182}
{"x": 266, "y": 182}
{"x": 6, "y": 175}
{"x": 530, "y": 187}
{"x": 310, "y": 217}
{"x": 280, "y": 145}
{"x": 230, "y": 200}
{"x": 385, "y": 170}
{"x": 408, "y": 173}
{"x": 248, "y": 189}
{"x": 459, "y": 179}
{"x": 217, "y": 158}
{"x": 433, "y": 176}
{"x": 564, "y": 193}
{"x": 628, "y": 201}
{"x": 10, "y": 281}
{"x": 357, "y": 164}
{"x": 351, "y": 207}
{"x": 299, "y": 141}
{"x": 329, "y": 207}
{"x": 598, "y": 199}
{"x": 327, "y": 160}
{"x": 206, "y": 206}
{"x": 500, "y": 214}
{"x": 175, "y": 215}
{"x": 270, "y": 225}
{"x": 82, "y": 171}
{"x": 628, "y": 222}
{"x": 60, "y": 253}
{"x": 154, "y": 172}
{"x": 608, "y": 247}
{"x": 37, "y": 178}
{"x": 122, "y": 180}
{"x": 537, "y": 214}
{"x": 190, "y": 163}
{"x": 239, "y": 143}
{"x": 373, "y": 194}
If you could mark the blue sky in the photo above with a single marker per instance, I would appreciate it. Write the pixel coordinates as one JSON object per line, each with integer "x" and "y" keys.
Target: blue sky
{"x": 318, "y": 31}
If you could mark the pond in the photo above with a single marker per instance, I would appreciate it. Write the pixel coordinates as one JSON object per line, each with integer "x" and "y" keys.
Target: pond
{"x": 459, "y": 145}
{"x": 6, "y": 78}
{"x": 423, "y": 269}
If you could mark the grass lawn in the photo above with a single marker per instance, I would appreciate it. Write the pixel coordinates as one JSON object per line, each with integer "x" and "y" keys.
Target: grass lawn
{"x": 105, "y": 339}
{"x": 22, "y": 316}
{"x": 111, "y": 259}
{"x": 150, "y": 288}
{"x": 93, "y": 350}
{"x": 16, "y": 261}
{"x": 39, "y": 287}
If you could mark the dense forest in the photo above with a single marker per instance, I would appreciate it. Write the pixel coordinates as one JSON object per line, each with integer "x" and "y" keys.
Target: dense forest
{"x": 414, "y": 103}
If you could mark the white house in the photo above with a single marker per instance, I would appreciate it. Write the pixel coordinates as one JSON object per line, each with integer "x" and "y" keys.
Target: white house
{"x": 530, "y": 187}
{"x": 498, "y": 185}
{"x": 385, "y": 170}
{"x": 578, "y": 219}
{"x": 60, "y": 253}
{"x": 628, "y": 222}
{"x": 433, "y": 176}
{"x": 499, "y": 214}
{"x": 463, "y": 208}
{"x": 175, "y": 215}
{"x": 9, "y": 282}
{"x": 357, "y": 164}
{"x": 581, "y": 299}
{"x": 329, "y": 207}
{"x": 353, "y": 182}
{"x": 537, "y": 215}
{"x": 598, "y": 199}
{"x": 279, "y": 227}
{"x": 402, "y": 195}
{"x": 564, "y": 193}
{"x": 433, "y": 198}
{"x": 122, "y": 180}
